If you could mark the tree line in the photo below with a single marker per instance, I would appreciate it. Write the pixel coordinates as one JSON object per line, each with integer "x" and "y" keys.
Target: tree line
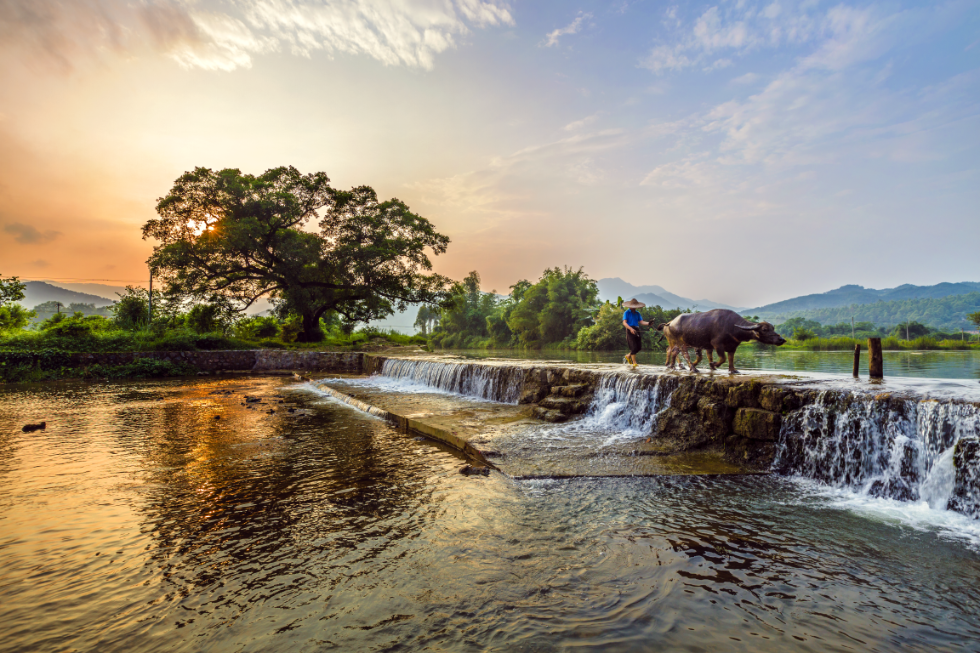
{"x": 330, "y": 259}
{"x": 947, "y": 314}
{"x": 562, "y": 309}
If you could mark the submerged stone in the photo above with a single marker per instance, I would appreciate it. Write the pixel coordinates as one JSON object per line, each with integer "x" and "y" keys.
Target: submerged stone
{"x": 549, "y": 415}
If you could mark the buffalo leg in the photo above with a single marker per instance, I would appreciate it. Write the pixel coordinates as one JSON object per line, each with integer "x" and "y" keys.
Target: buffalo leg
{"x": 721, "y": 359}
{"x": 731, "y": 363}
{"x": 687, "y": 357}
{"x": 718, "y": 344}
{"x": 711, "y": 362}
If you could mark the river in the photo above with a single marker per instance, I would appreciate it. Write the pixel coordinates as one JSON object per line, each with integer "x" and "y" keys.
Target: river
{"x": 137, "y": 521}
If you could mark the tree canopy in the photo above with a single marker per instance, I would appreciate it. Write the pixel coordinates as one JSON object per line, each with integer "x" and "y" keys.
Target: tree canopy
{"x": 11, "y": 290}
{"x": 12, "y": 314}
{"x": 235, "y": 237}
{"x": 549, "y": 311}
{"x": 974, "y": 317}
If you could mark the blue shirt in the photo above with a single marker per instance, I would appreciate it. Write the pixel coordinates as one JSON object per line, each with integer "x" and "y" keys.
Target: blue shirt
{"x": 632, "y": 317}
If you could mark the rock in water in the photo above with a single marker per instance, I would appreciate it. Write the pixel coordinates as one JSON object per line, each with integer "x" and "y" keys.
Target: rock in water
{"x": 471, "y": 470}
{"x": 40, "y": 426}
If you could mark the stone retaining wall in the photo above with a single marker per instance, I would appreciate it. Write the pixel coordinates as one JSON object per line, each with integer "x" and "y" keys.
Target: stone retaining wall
{"x": 256, "y": 360}
{"x": 313, "y": 361}
{"x": 208, "y": 361}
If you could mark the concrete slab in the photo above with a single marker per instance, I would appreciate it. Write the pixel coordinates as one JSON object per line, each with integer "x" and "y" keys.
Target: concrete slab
{"x": 509, "y": 439}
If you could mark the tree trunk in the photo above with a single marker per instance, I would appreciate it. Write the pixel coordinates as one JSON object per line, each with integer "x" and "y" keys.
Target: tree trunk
{"x": 311, "y": 328}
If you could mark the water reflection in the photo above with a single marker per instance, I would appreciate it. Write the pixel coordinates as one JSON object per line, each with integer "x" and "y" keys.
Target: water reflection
{"x": 138, "y": 521}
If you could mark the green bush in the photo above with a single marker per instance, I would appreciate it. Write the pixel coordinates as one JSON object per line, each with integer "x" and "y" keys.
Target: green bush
{"x": 802, "y": 334}
{"x": 257, "y": 328}
{"x": 14, "y": 316}
{"x": 290, "y": 329}
{"x": 204, "y": 318}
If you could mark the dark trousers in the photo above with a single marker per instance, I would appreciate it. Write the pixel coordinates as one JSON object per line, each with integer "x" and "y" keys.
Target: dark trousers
{"x": 634, "y": 343}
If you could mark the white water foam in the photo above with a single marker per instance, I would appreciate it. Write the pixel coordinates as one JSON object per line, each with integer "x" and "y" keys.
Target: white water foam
{"x": 918, "y": 515}
{"x": 398, "y": 385}
{"x": 624, "y": 408}
{"x": 494, "y": 383}
{"x": 329, "y": 398}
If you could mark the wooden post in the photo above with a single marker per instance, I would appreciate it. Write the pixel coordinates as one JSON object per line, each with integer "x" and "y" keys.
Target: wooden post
{"x": 149, "y": 316}
{"x": 875, "y": 370}
{"x": 857, "y": 359}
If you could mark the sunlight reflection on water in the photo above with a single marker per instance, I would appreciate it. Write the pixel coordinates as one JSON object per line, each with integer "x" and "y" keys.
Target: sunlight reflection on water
{"x": 138, "y": 521}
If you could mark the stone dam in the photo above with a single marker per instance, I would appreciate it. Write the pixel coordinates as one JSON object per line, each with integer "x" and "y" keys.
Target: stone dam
{"x": 528, "y": 419}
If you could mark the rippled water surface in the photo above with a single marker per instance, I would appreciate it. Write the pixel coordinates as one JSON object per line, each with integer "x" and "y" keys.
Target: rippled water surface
{"x": 137, "y": 521}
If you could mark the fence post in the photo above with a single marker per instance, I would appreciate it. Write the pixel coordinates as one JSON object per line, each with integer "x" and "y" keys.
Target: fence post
{"x": 875, "y": 366}
{"x": 857, "y": 359}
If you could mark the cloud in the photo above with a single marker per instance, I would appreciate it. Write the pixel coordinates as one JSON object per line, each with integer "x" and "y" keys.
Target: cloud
{"x": 736, "y": 29}
{"x": 406, "y": 33}
{"x": 579, "y": 124}
{"x": 747, "y": 78}
{"x": 60, "y": 34}
{"x": 688, "y": 173}
{"x": 28, "y": 235}
{"x": 481, "y": 200}
{"x": 854, "y": 36}
{"x": 572, "y": 28}
{"x": 409, "y": 32}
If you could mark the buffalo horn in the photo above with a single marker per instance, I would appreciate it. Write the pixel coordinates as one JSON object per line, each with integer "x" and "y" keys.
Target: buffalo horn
{"x": 754, "y": 327}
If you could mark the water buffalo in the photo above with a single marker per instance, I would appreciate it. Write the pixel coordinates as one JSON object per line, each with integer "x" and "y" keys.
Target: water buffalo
{"x": 718, "y": 330}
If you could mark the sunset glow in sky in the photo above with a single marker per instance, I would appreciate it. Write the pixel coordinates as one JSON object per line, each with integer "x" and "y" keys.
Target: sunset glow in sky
{"x": 746, "y": 152}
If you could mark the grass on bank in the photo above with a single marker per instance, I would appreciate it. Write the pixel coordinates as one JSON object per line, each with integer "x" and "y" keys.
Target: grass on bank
{"x": 891, "y": 343}
{"x": 45, "y": 354}
{"x": 120, "y": 340}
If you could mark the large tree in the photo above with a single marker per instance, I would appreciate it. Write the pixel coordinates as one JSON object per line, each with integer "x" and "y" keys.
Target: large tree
{"x": 239, "y": 237}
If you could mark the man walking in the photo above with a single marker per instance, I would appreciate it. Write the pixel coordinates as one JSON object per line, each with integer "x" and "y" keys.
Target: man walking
{"x": 632, "y": 321}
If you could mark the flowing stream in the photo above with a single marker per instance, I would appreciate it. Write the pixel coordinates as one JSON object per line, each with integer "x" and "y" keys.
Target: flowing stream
{"x": 254, "y": 514}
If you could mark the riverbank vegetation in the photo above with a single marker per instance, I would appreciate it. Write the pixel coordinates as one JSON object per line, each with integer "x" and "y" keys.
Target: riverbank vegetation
{"x": 41, "y": 351}
{"x": 560, "y": 311}
{"x": 810, "y": 335}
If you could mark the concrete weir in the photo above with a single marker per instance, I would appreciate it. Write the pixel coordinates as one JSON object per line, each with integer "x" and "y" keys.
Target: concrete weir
{"x": 544, "y": 419}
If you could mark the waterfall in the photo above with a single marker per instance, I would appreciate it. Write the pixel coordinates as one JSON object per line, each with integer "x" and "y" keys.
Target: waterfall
{"x": 627, "y": 404}
{"x": 880, "y": 447}
{"x": 501, "y": 384}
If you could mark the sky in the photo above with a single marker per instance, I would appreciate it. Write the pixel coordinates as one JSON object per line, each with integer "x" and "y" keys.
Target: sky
{"x": 744, "y": 152}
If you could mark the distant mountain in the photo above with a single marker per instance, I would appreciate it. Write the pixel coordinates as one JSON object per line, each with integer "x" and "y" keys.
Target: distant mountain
{"x": 612, "y": 288}
{"x": 850, "y": 295}
{"x": 38, "y": 292}
{"x": 100, "y": 289}
{"x": 944, "y": 313}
